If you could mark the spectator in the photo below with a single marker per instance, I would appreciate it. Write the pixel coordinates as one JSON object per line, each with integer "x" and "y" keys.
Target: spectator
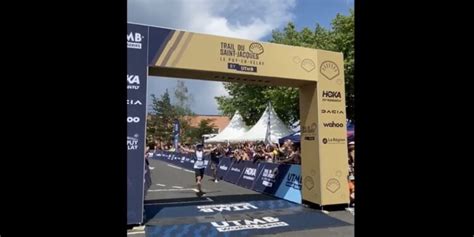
{"x": 215, "y": 156}
{"x": 259, "y": 154}
{"x": 269, "y": 153}
{"x": 351, "y": 176}
{"x": 293, "y": 155}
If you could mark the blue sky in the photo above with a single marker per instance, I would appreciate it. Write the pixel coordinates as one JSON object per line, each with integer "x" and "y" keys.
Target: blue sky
{"x": 248, "y": 19}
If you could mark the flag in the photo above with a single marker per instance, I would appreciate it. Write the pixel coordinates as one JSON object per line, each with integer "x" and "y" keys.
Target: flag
{"x": 268, "y": 139}
{"x": 176, "y": 134}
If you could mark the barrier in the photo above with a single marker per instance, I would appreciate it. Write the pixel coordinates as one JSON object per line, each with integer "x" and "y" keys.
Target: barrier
{"x": 223, "y": 167}
{"x": 250, "y": 174}
{"x": 270, "y": 177}
{"x": 280, "y": 180}
{"x": 234, "y": 172}
{"x": 290, "y": 187}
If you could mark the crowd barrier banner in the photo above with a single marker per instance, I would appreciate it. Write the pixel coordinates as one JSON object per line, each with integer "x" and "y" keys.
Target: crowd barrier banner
{"x": 280, "y": 180}
{"x": 235, "y": 171}
{"x": 249, "y": 174}
{"x": 223, "y": 167}
{"x": 183, "y": 160}
{"x": 290, "y": 187}
{"x": 270, "y": 178}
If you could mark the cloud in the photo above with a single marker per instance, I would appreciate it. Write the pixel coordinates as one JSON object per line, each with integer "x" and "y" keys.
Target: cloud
{"x": 248, "y": 19}
{"x": 202, "y": 92}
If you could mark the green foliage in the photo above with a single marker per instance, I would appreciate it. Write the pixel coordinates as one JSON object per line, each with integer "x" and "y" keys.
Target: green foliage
{"x": 251, "y": 100}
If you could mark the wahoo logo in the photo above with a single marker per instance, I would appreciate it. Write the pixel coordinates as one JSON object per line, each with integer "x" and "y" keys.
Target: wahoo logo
{"x": 226, "y": 207}
{"x": 134, "y": 102}
{"x": 333, "y": 125}
{"x": 133, "y": 81}
{"x": 223, "y": 167}
{"x": 134, "y": 40}
{"x": 246, "y": 224}
{"x": 235, "y": 169}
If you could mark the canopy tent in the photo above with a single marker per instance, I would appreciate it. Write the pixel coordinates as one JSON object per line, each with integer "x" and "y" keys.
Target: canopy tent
{"x": 234, "y": 129}
{"x": 268, "y": 128}
{"x": 295, "y": 138}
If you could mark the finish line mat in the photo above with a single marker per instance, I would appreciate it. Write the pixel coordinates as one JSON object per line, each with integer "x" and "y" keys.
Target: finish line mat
{"x": 245, "y": 218}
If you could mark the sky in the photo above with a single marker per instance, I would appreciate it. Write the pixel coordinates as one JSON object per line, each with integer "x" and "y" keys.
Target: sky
{"x": 246, "y": 19}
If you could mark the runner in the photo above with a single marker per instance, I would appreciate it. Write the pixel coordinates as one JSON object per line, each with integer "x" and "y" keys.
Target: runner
{"x": 199, "y": 163}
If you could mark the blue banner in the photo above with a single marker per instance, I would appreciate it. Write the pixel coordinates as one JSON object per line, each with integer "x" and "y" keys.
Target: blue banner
{"x": 181, "y": 160}
{"x": 270, "y": 178}
{"x": 223, "y": 167}
{"x": 290, "y": 187}
{"x": 235, "y": 171}
{"x": 250, "y": 173}
{"x": 143, "y": 44}
{"x": 137, "y": 38}
{"x": 280, "y": 180}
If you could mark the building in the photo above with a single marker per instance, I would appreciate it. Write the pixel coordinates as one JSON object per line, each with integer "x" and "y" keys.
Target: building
{"x": 218, "y": 121}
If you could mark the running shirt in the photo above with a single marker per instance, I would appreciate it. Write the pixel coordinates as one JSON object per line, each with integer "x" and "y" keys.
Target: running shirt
{"x": 199, "y": 164}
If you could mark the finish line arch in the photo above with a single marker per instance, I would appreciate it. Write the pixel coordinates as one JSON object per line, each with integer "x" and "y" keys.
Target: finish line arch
{"x": 319, "y": 75}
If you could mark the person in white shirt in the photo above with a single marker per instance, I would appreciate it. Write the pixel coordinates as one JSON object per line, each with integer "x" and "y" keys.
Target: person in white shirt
{"x": 199, "y": 163}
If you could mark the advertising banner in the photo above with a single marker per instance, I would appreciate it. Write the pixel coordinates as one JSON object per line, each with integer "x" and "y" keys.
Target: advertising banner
{"x": 250, "y": 173}
{"x": 235, "y": 170}
{"x": 270, "y": 178}
{"x": 137, "y": 37}
{"x": 290, "y": 187}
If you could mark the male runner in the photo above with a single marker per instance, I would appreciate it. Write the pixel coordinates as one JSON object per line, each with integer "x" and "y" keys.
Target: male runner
{"x": 199, "y": 163}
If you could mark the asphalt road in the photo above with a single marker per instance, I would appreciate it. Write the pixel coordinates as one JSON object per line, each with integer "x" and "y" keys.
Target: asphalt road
{"x": 172, "y": 209}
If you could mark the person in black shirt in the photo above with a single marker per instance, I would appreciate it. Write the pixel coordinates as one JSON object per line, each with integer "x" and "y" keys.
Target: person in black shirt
{"x": 215, "y": 156}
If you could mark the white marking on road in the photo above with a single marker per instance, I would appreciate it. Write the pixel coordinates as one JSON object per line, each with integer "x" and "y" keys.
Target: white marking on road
{"x": 325, "y": 212}
{"x": 173, "y": 189}
{"x": 138, "y": 228}
{"x": 176, "y": 167}
{"x": 136, "y": 233}
{"x": 190, "y": 171}
{"x": 166, "y": 203}
{"x": 176, "y": 186}
{"x": 161, "y": 185}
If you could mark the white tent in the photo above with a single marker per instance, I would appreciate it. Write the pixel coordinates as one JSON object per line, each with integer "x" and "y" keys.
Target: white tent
{"x": 259, "y": 131}
{"x": 234, "y": 129}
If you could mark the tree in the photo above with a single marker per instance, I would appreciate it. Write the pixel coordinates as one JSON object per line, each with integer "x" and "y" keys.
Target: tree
{"x": 340, "y": 39}
{"x": 251, "y": 100}
{"x": 161, "y": 125}
{"x": 205, "y": 127}
{"x": 343, "y": 41}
